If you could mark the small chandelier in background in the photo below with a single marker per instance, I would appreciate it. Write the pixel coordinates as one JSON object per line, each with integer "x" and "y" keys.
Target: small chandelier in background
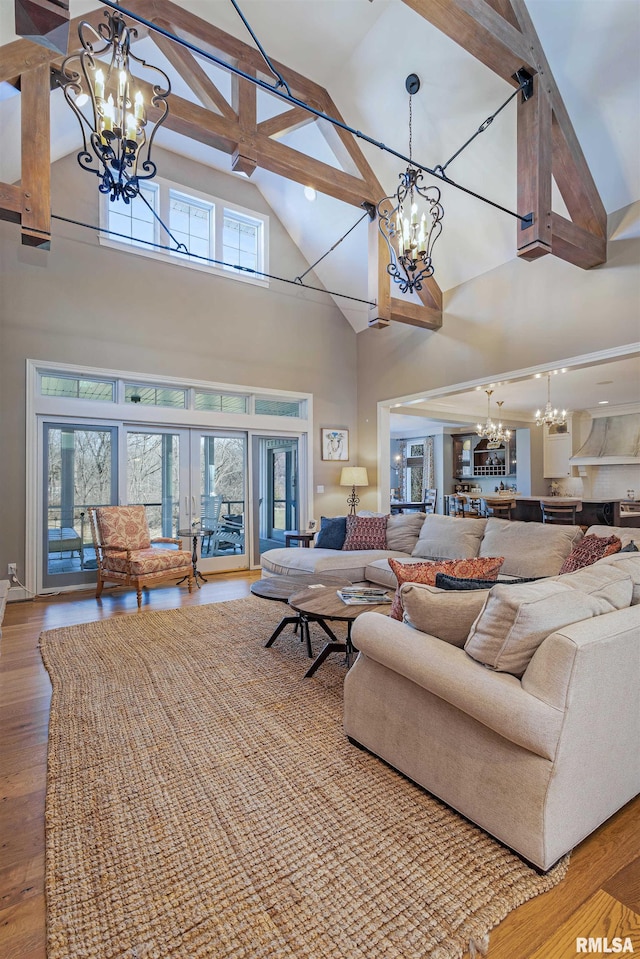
{"x": 494, "y": 432}
{"x": 550, "y": 416}
{"x": 411, "y": 234}
{"x": 116, "y": 147}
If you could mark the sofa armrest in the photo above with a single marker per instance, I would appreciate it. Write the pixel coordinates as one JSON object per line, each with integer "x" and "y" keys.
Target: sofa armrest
{"x": 497, "y": 700}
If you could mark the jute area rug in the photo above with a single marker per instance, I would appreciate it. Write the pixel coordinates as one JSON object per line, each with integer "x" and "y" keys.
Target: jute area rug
{"x": 204, "y": 803}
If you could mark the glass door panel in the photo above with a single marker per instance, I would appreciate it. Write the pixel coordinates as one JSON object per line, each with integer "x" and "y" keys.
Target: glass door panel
{"x": 221, "y": 461}
{"x": 79, "y": 471}
{"x": 153, "y": 478}
{"x": 276, "y": 503}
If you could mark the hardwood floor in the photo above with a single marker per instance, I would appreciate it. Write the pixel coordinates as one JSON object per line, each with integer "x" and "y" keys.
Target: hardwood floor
{"x": 599, "y": 898}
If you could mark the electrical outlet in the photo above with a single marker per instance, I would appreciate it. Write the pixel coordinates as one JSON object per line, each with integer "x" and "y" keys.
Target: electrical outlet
{"x": 12, "y": 569}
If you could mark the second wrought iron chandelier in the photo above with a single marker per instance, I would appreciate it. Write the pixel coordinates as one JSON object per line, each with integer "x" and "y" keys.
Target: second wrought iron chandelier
{"x": 411, "y": 232}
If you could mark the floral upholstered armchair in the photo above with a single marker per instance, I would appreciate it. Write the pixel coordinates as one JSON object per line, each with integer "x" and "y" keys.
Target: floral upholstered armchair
{"x": 125, "y": 552}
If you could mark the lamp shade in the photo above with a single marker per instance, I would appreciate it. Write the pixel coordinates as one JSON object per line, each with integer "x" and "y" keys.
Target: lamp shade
{"x": 354, "y": 476}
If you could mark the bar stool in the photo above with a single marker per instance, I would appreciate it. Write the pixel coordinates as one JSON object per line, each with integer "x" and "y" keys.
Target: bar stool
{"x": 458, "y": 503}
{"x": 499, "y": 506}
{"x": 564, "y": 512}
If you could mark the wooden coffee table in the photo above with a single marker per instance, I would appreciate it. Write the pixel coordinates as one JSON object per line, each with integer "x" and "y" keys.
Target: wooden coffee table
{"x": 280, "y": 588}
{"x": 322, "y": 605}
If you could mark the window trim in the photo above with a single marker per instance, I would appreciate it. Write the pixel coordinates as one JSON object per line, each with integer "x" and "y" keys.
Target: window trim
{"x": 219, "y": 206}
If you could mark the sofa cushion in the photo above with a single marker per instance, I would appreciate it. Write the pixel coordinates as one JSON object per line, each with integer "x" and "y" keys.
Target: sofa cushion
{"x": 447, "y": 615}
{"x": 366, "y": 532}
{"x": 529, "y": 549}
{"x": 403, "y": 530}
{"x": 447, "y": 537}
{"x": 628, "y": 563}
{"x": 333, "y": 530}
{"x": 425, "y": 573}
{"x": 589, "y": 550}
{"x": 626, "y": 534}
{"x": 515, "y": 620}
{"x": 348, "y": 563}
{"x": 141, "y": 562}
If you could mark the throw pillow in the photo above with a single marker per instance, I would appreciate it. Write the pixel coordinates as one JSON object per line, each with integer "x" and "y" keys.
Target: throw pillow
{"x": 449, "y": 615}
{"x": 403, "y": 530}
{"x": 589, "y": 550}
{"x": 449, "y": 537}
{"x": 630, "y": 547}
{"x": 366, "y": 532}
{"x": 516, "y": 620}
{"x": 426, "y": 573}
{"x": 333, "y": 530}
{"x": 444, "y": 581}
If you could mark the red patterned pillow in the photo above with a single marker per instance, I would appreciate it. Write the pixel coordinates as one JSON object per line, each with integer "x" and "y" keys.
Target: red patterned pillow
{"x": 366, "y": 532}
{"x": 481, "y": 567}
{"x": 589, "y": 550}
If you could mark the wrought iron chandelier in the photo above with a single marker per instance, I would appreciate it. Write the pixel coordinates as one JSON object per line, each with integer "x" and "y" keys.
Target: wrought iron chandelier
{"x": 492, "y": 431}
{"x": 550, "y": 416}
{"x": 410, "y": 234}
{"x": 98, "y": 78}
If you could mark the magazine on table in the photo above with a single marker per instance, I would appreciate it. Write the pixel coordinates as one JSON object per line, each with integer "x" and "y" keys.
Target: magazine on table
{"x": 363, "y": 595}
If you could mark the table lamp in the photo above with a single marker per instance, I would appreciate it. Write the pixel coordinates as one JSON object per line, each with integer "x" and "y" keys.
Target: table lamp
{"x": 353, "y": 476}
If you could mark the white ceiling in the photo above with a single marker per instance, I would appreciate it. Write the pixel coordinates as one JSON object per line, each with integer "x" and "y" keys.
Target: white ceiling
{"x": 361, "y": 52}
{"x": 600, "y": 387}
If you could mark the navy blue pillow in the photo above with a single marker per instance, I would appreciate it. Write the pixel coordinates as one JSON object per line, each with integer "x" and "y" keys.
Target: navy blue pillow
{"x": 629, "y": 548}
{"x": 333, "y": 532}
{"x": 444, "y": 581}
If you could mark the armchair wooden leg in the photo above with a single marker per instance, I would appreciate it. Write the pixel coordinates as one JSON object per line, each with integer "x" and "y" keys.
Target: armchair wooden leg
{"x": 139, "y": 595}
{"x": 99, "y": 585}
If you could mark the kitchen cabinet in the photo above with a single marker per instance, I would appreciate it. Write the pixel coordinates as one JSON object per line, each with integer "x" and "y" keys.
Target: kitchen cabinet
{"x": 493, "y": 459}
{"x": 473, "y": 456}
{"x": 462, "y": 447}
{"x": 557, "y": 451}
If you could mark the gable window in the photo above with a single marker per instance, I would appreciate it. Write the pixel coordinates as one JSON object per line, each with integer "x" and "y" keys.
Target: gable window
{"x": 191, "y": 222}
{"x": 134, "y": 222}
{"x": 218, "y": 236}
{"x": 241, "y": 240}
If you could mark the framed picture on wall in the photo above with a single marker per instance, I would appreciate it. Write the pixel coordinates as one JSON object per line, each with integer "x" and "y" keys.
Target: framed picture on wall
{"x": 335, "y": 444}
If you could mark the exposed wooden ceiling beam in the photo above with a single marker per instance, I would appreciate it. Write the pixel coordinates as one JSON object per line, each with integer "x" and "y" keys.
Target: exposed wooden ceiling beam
{"x": 578, "y": 246}
{"x": 483, "y": 32}
{"x": 244, "y": 97}
{"x": 286, "y": 122}
{"x": 570, "y": 169}
{"x": 36, "y": 158}
{"x": 500, "y": 33}
{"x": 412, "y": 314}
{"x": 185, "y": 63}
{"x": 45, "y": 22}
{"x": 534, "y": 172}
{"x": 10, "y": 202}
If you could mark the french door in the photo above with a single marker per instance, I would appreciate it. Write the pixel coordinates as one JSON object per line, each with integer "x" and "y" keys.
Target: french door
{"x": 191, "y": 480}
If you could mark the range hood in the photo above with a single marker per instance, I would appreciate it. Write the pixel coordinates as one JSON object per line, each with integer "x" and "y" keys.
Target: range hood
{"x": 613, "y": 440}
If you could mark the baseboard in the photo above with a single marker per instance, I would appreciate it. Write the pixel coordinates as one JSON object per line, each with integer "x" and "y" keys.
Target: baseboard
{"x": 18, "y": 595}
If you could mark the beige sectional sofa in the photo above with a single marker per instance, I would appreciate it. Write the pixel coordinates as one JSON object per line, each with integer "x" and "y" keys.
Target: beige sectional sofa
{"x": 538, "y": 756}
{"x": 530, "y": 549}
{"x": 529, "y": 730}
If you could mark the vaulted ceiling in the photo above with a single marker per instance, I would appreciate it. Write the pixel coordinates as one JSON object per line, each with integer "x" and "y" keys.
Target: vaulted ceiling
{"x": 584, "y": 125}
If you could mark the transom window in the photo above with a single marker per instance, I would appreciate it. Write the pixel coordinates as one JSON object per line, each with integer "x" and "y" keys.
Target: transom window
{"x": 219, "y": 237}
{"x": 77, "y": 388}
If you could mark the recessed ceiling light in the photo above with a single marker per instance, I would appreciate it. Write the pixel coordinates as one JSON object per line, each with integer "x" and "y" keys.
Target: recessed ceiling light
{"x": 310, "y": 193}
{"x": 603, "y": 402}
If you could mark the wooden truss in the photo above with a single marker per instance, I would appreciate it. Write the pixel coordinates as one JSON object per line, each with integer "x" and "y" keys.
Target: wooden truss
{"x": 498, "y": 32}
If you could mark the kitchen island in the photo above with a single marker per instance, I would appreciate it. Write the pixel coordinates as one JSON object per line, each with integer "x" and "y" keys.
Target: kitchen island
{"x": 603, "y": 512}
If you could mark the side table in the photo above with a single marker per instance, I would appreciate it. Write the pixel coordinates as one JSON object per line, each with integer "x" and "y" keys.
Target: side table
{"x": 302, "y": 536}
{"x": 185, "y": 534}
